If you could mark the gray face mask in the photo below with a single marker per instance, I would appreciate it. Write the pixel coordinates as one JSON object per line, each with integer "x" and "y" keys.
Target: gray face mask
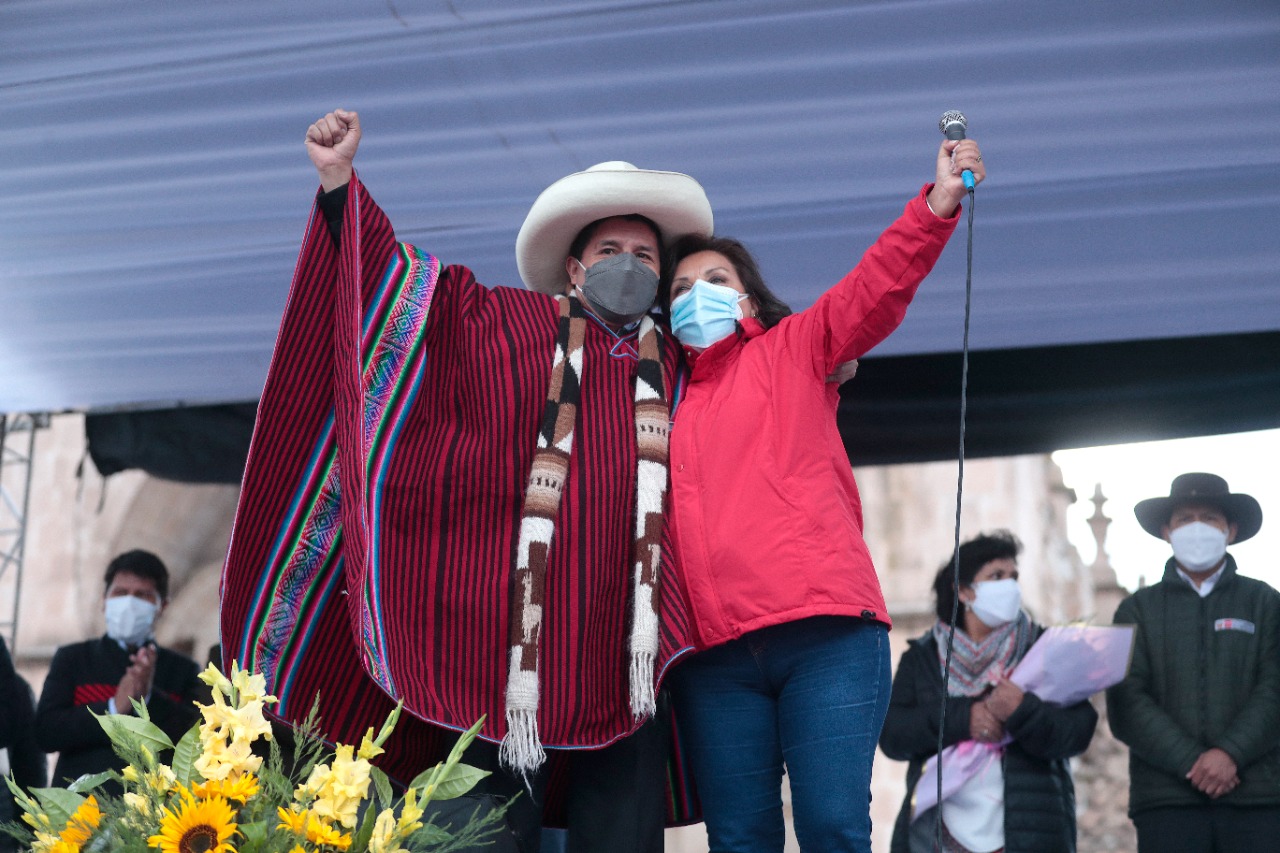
{"x": 620, "y": 288}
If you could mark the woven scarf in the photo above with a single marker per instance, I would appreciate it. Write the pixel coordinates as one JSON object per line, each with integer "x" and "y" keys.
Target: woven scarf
{"x": 521, "y": 749}
{"x": 974, "y": 665}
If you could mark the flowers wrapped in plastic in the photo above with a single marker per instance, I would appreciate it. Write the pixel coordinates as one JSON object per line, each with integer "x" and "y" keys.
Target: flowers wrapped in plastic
{"x": 220, "y": 795}
{"x": 1068, "y": 664}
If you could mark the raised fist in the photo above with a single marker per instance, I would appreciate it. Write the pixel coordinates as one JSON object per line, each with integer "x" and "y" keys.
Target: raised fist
{"x": 331, "y": 143}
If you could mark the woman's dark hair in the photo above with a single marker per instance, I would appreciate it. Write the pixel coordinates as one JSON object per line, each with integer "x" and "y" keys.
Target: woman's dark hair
{"x": 143, "y": 564}
{"x": 974, "y": 554}
{"x": 772, "y": 309}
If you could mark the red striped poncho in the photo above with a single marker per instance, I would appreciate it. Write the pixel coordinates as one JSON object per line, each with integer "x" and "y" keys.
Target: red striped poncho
{"x": 375, "y": 539}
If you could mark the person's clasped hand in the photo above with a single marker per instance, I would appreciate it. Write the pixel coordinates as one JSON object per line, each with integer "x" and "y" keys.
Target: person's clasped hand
{"x": 1214, "y": 773}
{"x": 137, "y": 680}
{"x": 1004, "y": 699}
{"x": 983, "y": 725}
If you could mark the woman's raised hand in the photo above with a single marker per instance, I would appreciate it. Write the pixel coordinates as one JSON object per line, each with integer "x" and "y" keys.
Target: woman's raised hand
{"x": 331, "y": 143}
{"x": 954, "y": 157}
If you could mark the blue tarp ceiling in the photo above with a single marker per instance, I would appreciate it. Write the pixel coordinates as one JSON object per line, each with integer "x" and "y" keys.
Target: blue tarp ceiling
{"x": 156, "y": 186}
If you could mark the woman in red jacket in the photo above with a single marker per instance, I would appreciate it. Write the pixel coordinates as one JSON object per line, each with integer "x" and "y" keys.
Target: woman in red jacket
{"x": 793, "y": 667}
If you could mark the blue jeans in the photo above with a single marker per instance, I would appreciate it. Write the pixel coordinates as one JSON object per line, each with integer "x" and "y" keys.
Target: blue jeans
{"x": 810, "y": 695}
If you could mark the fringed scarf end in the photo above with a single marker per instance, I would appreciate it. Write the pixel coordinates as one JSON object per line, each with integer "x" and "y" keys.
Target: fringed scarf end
{"x": 521, "y": 750}
{"x": 643, "y": 702}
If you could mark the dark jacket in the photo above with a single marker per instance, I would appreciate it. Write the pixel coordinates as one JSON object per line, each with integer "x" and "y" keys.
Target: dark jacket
{"x": 1039, "y": 797}
{"x": 1205, "y": 673}
{"x": 82, "y": 678}
{"x": 27, "y": 764}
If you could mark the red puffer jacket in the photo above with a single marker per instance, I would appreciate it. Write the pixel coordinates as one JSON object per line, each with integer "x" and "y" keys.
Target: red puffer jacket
{"x": 765, "y": 512}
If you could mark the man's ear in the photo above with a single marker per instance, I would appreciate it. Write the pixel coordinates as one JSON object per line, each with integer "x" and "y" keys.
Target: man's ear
{"x": 573, "y": 268}
{"x": 1232, "y": 530}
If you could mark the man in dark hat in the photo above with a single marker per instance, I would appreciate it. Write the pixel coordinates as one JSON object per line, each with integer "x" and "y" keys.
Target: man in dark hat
{"x": 1200, "y": 708}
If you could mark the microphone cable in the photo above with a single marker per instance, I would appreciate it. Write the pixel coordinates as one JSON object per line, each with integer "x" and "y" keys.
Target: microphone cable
{"x": 955, "y": 568}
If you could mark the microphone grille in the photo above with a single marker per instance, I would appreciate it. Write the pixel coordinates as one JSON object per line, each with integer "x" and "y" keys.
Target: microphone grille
{"x": 952, "y": 117}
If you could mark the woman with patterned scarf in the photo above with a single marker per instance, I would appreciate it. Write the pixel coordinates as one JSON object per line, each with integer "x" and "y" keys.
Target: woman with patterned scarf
{"x": 1022, "y": 800}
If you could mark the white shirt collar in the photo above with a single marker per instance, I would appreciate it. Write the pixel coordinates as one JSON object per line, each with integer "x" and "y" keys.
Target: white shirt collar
{"x": 1206, "y": 585}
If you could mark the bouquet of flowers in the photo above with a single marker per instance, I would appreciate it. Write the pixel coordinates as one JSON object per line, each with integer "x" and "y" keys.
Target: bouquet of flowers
{"x": 217, "y": 795}
{"x": 1068, "y": 664}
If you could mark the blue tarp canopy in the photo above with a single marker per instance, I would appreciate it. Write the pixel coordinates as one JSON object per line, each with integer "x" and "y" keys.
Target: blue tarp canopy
{"x": 156, "y": 185}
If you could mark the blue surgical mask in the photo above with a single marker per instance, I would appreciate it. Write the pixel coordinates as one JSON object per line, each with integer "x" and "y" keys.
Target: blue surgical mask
{"x": 705, "y": 313}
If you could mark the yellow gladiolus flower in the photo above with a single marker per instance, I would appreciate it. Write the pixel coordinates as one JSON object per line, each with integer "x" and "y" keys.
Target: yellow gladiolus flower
{"x": 219, "y": 761}
{"x": 213, "y": 677}
{"x": 161, "y": 780}
{"x": 336, "y": 793}
{"x": 410, "y": 814}
{"x": 250, "y": 687}
{"x": 385, "y": 838}
{"x": 44, "y": 842}
{"x": 369, "y": 749}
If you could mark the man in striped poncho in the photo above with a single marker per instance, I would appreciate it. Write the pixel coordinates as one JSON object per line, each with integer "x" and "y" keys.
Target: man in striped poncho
{"x": 454, "y": 496}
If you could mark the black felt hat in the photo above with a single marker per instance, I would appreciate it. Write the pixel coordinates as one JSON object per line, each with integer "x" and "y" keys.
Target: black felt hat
{"x": 1241, "y": 510}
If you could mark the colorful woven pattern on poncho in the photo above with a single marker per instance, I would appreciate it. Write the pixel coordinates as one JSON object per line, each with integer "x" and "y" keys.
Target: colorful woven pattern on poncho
{"x": 299, "y": 574}
{"x": 375, "y": 541}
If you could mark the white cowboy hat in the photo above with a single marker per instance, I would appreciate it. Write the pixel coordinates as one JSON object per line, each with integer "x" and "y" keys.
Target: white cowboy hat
{"x": 674, "y": 201}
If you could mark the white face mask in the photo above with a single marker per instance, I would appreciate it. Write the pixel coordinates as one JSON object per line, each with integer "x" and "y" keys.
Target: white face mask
{"x": 1198, "y": 546}
{"x": 129, "y": 619}
{"x": 996, "y": 603}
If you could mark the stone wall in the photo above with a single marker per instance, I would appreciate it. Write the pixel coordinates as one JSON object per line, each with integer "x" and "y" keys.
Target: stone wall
{"x": 76, "y": 523}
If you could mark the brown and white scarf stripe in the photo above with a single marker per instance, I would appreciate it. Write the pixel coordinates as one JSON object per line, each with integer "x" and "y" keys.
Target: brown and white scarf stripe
{"x": 521, "y": 749}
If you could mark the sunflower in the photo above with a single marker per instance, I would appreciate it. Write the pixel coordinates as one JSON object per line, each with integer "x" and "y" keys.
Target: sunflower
{"x": 80, "y": 827}
{"x": 198, "y": 826}
{"x": 304, "y": 823}
{"x": 326, "y": 836}
{"x": 239, "y": 788}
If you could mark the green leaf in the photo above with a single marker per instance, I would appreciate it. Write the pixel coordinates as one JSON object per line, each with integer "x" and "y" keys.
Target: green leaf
{"x": 255, "y": 836}
{"x": 431, "y": 834}
{"x": 140, "y": 708}
{"x": 20, "y": 796}
{"x": 435, "y": 777}
{"x": 185, "y": 755}
{"x": 88, "y": 783}
{"x": 426, "y": 776}
{"x": 58, "y": 803}
{"x": 133, "y": 732}
{"x": 464, "y": 740}
{"x": 360, "y": 840}
{"x": 382, "y": 785}
{"x": 457, "y": 780}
